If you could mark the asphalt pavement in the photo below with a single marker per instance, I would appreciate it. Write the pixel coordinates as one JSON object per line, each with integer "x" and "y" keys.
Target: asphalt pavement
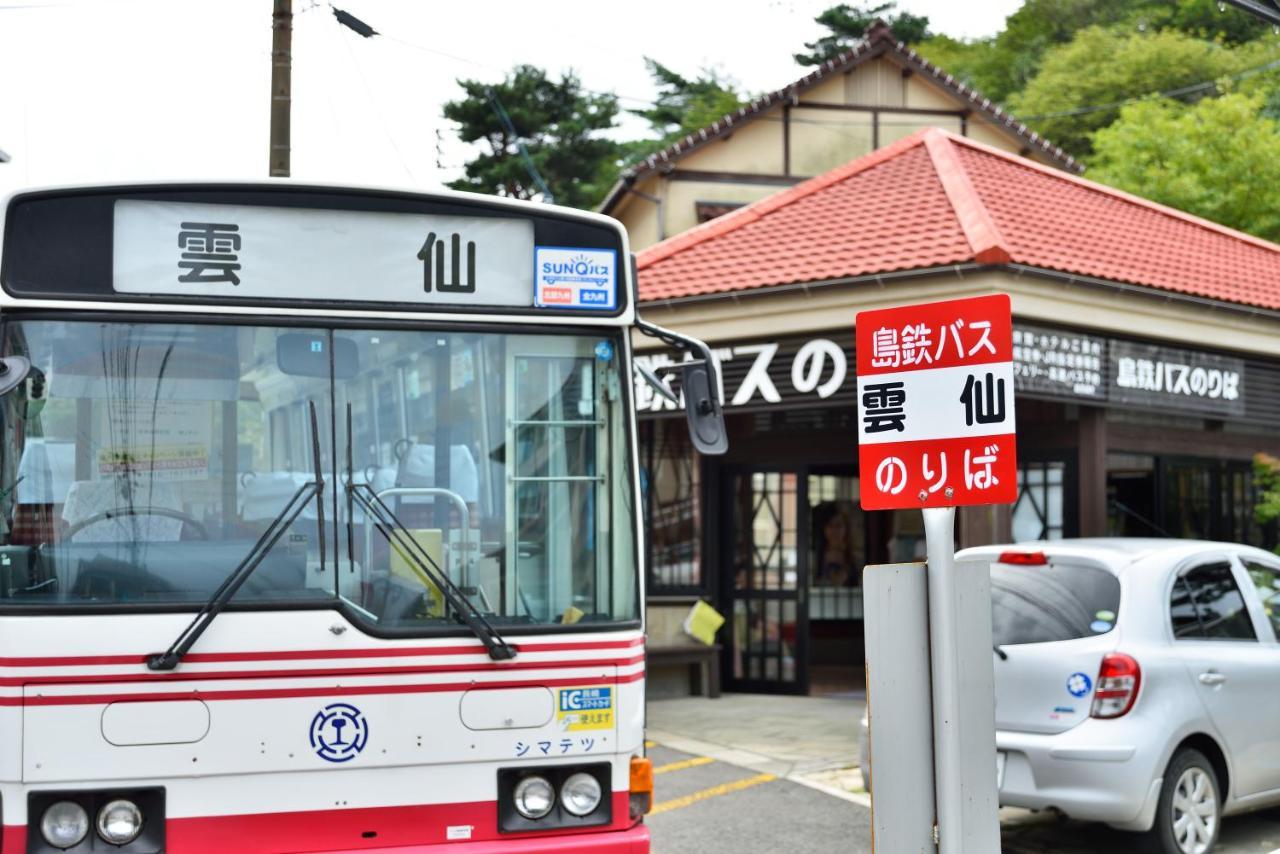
{"x": 744, "y": 775}
{"x": 713, "y": 807}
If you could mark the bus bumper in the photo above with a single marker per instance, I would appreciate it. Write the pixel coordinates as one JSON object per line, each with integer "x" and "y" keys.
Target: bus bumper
{"x": 634, "y": 840}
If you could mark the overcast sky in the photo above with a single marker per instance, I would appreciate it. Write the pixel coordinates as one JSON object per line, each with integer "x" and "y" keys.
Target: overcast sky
{"x": 94, "y": 90}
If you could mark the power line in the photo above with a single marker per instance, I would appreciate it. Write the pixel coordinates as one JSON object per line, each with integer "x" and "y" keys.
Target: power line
{"x": 647, "y": 102}
{"x": 529, "y": 166}
{"x": 378, "y": 111}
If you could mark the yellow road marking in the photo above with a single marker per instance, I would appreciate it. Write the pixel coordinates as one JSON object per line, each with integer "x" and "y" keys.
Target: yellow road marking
{"x": 683, "y": 764}
{"x": 714, "y": 791}
{"x": 651, "y": 744}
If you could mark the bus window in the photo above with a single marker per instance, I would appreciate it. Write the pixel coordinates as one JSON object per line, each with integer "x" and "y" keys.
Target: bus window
{"x": 505, "y": 457}
{"x": 150, "y": 460}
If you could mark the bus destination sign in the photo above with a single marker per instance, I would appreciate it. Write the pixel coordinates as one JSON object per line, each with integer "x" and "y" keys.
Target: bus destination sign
{"x": 249, "y": 251}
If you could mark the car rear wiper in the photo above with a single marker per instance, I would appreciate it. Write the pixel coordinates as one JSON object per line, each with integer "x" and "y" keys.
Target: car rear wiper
{"x": 411, "y": 550}
{"x": 169, "y": 659}
{"x": 1004, "y": 656}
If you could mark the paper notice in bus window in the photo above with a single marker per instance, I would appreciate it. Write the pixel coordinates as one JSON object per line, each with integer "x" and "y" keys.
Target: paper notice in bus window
{"x": 585, "y": 708}
{"x": 164, "y": 440}
{"x": 565, "y": 277}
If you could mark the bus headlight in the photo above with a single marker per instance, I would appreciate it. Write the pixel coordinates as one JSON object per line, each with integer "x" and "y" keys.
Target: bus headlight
{"x": 64, "y": 824}
{"x": 580, "y": 794}
{"x": 534, "y": 797}
{"x": 119, "y": 822}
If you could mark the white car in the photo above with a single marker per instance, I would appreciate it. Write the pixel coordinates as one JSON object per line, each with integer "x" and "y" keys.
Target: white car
{"x": 1137, "y": 682}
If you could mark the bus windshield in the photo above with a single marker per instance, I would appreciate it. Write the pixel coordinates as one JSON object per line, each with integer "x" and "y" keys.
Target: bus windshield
{"x": 140, "y": 461}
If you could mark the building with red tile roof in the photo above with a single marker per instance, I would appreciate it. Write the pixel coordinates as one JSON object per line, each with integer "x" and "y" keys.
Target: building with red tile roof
{"x": 1146, "y": 371}
{"x": 965, "y": 203}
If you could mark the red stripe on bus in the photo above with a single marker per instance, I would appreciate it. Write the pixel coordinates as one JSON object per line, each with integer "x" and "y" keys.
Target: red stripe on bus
{"x": 402, "y": 829}
{"x": 307, "y": 654}
{"x": 198, "y": 675}
{"x": 318, "y": 691}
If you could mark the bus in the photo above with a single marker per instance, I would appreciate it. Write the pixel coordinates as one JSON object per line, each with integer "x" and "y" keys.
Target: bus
{"x": 319, "y": 522}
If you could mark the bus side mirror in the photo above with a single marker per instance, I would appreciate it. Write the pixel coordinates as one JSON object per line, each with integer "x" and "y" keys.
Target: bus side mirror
{"x": 700, "y": 384}
{"x": 702, "y": 408}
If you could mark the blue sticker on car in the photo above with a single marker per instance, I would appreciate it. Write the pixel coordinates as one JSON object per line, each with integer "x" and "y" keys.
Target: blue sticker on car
{"x": 1079, "y": 684}
{"x": 1100, "y": 626}
{"x": 339, "y": 732}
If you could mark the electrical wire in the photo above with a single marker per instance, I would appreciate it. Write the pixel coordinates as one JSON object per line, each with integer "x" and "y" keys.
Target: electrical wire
{"x": 382, "y": 120}
{"x": 646, "y": 102}
{"x": 529, "y": 166}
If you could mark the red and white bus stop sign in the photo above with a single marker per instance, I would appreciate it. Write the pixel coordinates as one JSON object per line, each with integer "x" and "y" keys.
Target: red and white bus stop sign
{"x": 935, "y": 405}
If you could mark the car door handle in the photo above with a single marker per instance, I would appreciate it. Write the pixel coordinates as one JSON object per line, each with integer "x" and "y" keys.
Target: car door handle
{"x": 1212, "y": 677}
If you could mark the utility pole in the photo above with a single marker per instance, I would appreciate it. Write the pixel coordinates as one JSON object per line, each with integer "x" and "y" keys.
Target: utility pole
{"x": 281, "y": 87}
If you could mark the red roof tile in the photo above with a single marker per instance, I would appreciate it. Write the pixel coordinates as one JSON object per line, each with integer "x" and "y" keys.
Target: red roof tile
{"x": 934, "y": 199}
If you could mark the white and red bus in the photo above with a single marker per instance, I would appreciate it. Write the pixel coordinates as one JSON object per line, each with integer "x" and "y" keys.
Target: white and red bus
{"x": 319, "y": 523}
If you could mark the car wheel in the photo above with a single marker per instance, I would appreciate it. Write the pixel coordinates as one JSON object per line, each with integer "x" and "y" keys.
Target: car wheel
{"x": 1190, "y": 808}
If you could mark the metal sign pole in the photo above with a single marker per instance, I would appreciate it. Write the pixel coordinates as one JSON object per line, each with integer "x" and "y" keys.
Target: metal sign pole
{"x": 964, "y": 750}
{"x": 896, "y": 605}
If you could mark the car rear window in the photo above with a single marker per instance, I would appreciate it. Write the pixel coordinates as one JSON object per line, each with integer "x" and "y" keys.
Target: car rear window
{"x": 1053, "y": 602}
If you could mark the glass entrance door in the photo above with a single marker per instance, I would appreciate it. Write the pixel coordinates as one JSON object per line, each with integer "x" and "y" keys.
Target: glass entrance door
{"x": 765, "y": 547}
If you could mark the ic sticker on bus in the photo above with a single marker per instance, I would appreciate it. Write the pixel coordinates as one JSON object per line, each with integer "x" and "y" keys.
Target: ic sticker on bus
{"x": 565, "y": 277}
{"x": 585, "y": 708}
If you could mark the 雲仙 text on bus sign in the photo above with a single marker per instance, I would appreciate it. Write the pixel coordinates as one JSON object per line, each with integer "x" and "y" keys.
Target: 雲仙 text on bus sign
{"x": 935, "y": 404}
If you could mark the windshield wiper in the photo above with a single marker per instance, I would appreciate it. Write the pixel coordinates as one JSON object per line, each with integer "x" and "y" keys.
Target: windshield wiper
{"x": 169, "y": 659}
{"x": 412, "y": 550}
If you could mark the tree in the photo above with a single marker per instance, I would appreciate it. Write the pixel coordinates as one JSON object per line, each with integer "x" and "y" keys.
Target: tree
{"x": 1015, "y": 55}
{"x": 848, "y": 23}
{"x": 1218, "y": 159}
{"x": 1102, "y": 66}
{"x": 684, "y": 105}
{"x": 975, "y": 63}
{"x": 1039, "y": 25}
{"x": 552, "y": 128}
{"x": 1205, "y": 19}
{"x": 1266, "y": 483}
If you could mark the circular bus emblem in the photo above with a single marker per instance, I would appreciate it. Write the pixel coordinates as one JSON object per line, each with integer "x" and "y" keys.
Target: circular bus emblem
{"x": 339, "y": 732}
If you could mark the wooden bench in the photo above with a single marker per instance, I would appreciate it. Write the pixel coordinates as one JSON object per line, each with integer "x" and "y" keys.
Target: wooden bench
{"x": 705, "y": 679}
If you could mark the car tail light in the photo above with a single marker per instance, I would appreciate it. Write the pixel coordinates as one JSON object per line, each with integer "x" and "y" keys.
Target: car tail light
{"x": 1023, "y": 558}
{"x": 1117, "y": 688}
{"x": 641, "y": 787}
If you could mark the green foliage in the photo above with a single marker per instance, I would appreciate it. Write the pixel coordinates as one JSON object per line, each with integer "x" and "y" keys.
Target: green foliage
{"x": 560, "y": 125}
{"x": 684, "y": 105}
{"x": 1102, "y": 66}
{"x": 974, "y": 63}
{"x": 1017, "y": 52}
{"x": 1039, "y": 25}
{"x": 1218, "y": 158}
{"x": 847, "y": 23}
{"x": 1266, "y": 481}
{"x": 1204, "y": 19}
